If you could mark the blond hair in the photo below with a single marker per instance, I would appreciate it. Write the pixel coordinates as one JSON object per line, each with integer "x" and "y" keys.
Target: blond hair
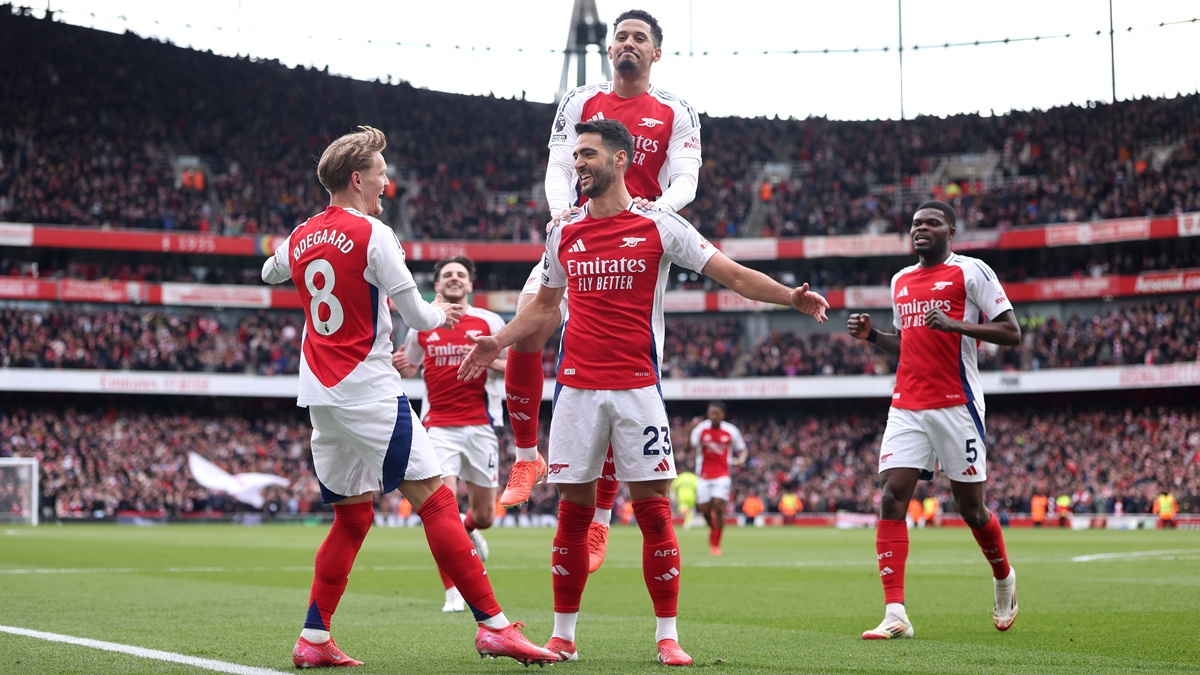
{"x": 352, "y": 152}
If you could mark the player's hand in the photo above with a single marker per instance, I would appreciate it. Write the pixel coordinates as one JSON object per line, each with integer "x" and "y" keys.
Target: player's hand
{"x": 476, "y": 362}
{"x": 810, "y": 303}
{"x": 400, "y": 361}
{"x": 453, "y": 311}
{"x": 936, "y": 319}
{"x": 643, "y": 203}
{"x": 563, "y": 214}
{"x": 859, "y": 326}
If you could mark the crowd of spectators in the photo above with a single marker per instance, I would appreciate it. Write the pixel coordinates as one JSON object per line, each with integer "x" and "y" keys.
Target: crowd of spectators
{"x": 96, "y": 462}
{"x": 93, "y": 127}
{"x": 263, "y": 342}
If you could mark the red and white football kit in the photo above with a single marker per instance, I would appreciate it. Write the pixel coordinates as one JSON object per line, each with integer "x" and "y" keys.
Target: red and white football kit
{"x": 715, "y": 446}
{"x": 460, "y": 416}
{"x": 616, "y": 272}
{"x": 937, "y": 413}
{"x": 365, "y": 437}
{"x": 665, "y": 130}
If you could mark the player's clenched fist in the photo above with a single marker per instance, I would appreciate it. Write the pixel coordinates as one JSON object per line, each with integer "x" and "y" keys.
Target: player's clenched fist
{"x": 859, "y": 326}
{"x": 453, "y": 311}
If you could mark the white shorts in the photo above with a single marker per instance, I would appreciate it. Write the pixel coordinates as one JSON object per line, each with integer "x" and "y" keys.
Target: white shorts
{"x": 709, "y": 489}
{"x": 923, "y": 439}
{"x": 469, "y": 453}
{"x": 365, "y": 448}
{"x": 634, "y": 421}
{"x": 534, "y": 282}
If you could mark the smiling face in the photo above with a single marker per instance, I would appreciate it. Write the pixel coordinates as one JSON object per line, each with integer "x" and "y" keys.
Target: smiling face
{"x": 453, "y": 282}
{"x": 372, "y": 181}
{"x": 595, "y": 165}
{"x": 931, "y": 234}
{"x": 632, "y": 49}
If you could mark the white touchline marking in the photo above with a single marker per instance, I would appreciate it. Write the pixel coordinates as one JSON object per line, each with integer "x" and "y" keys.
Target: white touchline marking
{"x": 1135, "y": 554}
{"x": 207, "y": 664}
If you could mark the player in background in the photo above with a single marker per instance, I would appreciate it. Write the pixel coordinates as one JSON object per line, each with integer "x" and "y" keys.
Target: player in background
{"x": 346, "y": 265}
{"x": 616, "y": 258}
{"x": 937, "y": 412}
{"x": 460, "y": 417}
{"x": 718, "y": 446}
{"x": 663, "y": 173}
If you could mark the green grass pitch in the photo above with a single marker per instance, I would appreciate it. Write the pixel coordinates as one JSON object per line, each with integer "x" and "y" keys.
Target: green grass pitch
{"x": 781, "y": 600}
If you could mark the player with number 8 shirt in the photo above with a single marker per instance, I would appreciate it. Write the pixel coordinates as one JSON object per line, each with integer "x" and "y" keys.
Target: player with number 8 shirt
{"x": 366, "y": 437}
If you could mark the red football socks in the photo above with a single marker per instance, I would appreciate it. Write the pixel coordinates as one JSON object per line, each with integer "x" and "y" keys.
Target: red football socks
{"x": 452, "y": 549}
{"x": 990, "y": 538}
{"x": 523, "y": 382}
{"x": 606, "y": 487}
{"x": 569, "y": 555}
{"x": 351, "y": 523}
{"x": 660, "y": 554}
{"x": 891, "y": 548}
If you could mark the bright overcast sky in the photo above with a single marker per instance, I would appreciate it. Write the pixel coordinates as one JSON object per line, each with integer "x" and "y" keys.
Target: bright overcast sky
{"x": 506, "y": 48}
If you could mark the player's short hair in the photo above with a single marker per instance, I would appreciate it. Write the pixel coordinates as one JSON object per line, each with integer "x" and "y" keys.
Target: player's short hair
{"x": 719, "y": 405}
{"x": 461, "y": 260}
{"x": 613, "y": 135}
{"x": 945, "y": 208}
{"x": 349, "y": 153}
{"x": 643, "y": 16}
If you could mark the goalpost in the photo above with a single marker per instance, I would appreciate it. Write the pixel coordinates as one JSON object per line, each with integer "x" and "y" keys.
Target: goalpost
{"x": 19, "y": 490}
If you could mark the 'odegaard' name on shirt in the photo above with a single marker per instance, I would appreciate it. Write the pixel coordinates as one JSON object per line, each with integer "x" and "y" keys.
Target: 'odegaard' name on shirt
{"x": 338, "y": 240}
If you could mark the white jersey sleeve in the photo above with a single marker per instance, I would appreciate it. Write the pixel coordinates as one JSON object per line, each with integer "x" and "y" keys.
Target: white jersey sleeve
{"x": 412, "y": 348}
{"x": 682, "y": 244}
{"x": 554, "y": 275}
{"x": 386, "y": 270}
{"x": 735, "y": 438}
{"x": 494, "y": 386}
{"x": 984, "y": 289}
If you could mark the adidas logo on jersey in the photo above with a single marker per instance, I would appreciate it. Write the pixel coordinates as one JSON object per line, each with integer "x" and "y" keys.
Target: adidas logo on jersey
{"x": 597, "y": 116}
{"x": 433, "y": 337}
{"x": 578, "y": 247}
{"x": 903, "y": 293}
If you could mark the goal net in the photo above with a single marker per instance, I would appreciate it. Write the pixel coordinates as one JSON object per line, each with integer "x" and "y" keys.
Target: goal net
{"x": 19, "y": 490}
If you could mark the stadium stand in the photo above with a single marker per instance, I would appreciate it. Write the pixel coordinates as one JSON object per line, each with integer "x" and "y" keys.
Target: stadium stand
{"x": 141, "y": 184}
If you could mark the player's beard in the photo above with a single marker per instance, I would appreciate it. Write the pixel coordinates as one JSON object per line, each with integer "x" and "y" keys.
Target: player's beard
{"x": 601, "y": 181}
{"x": 627, "y": 65}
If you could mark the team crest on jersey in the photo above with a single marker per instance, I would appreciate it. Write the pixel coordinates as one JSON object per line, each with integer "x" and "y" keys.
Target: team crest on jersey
{"x": 650, "y": 122}
{"x": 941, "y": 285}
{"x": 630, "y": 242}
{"x": 474, "y": 332}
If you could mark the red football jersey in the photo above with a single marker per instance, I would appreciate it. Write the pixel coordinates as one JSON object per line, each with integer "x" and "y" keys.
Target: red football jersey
{"x": 616, "y": 270}
{"x": 716, "y": 447}
{"x": 939, "y": 369}
{"x": 345, "y": 265}
{"x": 450, "y": 402}
{"x": 662, "y": 126}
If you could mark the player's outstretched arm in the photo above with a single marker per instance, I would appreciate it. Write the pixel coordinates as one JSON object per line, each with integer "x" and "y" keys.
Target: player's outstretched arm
{"x": 755, "y": 285}
{"x": 529, "y": 320}
{"x": 860, "y": 327}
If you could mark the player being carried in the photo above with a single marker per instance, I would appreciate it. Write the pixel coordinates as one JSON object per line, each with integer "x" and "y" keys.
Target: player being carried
{"x": 366, "y": 439}
{"x": 608, "y": 385}
{"x": 662, "y": 173}
{"x": 461, "y": 417}
{"x": 936, "y": 419}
